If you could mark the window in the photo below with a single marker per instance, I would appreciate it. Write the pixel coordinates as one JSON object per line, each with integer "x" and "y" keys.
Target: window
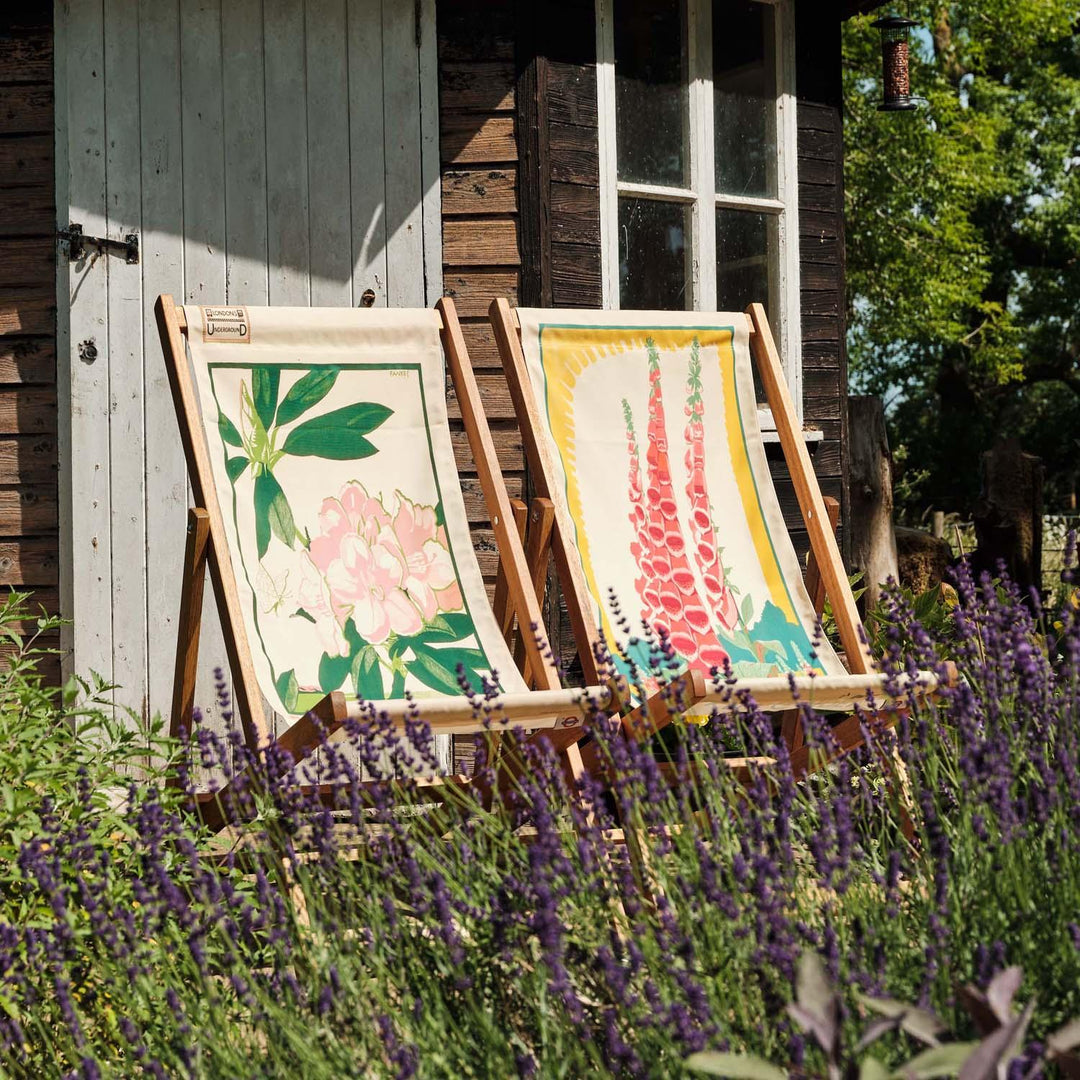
{"x": 697, "y": 149}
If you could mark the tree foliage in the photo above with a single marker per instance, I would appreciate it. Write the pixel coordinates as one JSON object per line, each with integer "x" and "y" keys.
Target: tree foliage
{"x": 963, "y": 239}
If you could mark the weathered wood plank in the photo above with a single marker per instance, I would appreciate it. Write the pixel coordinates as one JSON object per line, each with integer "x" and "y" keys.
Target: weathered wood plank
{"x": 820, "y": 328}
{"x": 571, "y": 94}
{"x": 474, "y": 289}
{"x": 162, "y": 260}
{"x": 27, "y": 360}
{"x": 815, "y": 116}
{"x": 27, "y": 262}
{"x": 819, "y": 276}
{"x": 477, "y": 86}
{"x": 26, "y": 159}
{"x": 243, "y": 78}
{"x": 820, "y": 250}
{"x": 289, "y": 252}
{"x": 575, "y": 275}
{"x": 25, "y": 109}
{"x": 329, "y": 224}
{"x": 479, "y": 191}
{"x": 494, "y": 395}
{"x": 46, "y": 598}
{"x": 27, "y": 57}
{"x": 127, "y": 435}
{"x": 820, "y": 301}
{"x": 465, "y": 138}
{"x": 27, "y": 211}
{"x": 366, "y": 129}
{"x": 27, "y": 510}
{"x": 486, "y": 242}
{"x": 575, "y": 214}
{"x": 28, "y": 311}
{"x": 29, "y": 561}
{"x": 475, "y": 507}
{"x": 507, "y": 441}
{"x": 574, "y": 153}
{"x": 823, "y": 145}
{"x": 27, "y": 411}
{"x": 480, "y": 340}
{"x": 820, "y": 225}
{"x": 404, "y": 183}
{"x": 827, "y": 171}
{"x": 473, "y": 32}
{"x": 819, "y": 197}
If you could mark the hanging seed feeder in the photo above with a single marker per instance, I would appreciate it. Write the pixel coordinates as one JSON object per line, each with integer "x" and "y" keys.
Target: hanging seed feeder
{"x": 895, "y": 77}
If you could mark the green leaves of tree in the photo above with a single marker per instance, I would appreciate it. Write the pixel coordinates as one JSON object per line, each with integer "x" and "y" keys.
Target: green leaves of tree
{"x": 338, "y": 435}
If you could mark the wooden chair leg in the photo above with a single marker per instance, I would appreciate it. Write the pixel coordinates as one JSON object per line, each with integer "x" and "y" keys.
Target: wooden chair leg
{"x": 196, "y": 552}
{"x": 500, "y": 604}
{"x": 537, "y": 555}
{"x": 791, "y": 730}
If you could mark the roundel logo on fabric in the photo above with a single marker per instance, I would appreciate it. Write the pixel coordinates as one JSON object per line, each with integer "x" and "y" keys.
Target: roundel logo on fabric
{"x": 226, "y": 325}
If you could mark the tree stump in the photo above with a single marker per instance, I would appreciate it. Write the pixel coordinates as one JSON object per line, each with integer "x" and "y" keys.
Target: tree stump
{"x": 922, "y": 559}
{"x": 1008, "y": 515}
{"x": 873, "y": 549}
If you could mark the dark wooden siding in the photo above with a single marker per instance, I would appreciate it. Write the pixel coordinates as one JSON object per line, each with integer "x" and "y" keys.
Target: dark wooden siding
{"x": 29, "y": 536}
{"x": 821, "y": 253}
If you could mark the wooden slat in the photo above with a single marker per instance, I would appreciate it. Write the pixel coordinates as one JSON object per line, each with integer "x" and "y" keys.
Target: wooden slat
{"x": 27, "y": 360}
{"x": 473, "y": 290}
{"x": 27, "y": 509}
{"x": 27, "y": 211}
{"x": 26, "y": 159}
{"x": 507, "y": 441}
{"x": 819, "y": 224}
{"x": 494, "y": 394}
{"x": 475, "y": 507}
{"x": 479, "y": 191}
{"x": 575, "y": 275}
{"x": 574, "y": 153}
{"x": 27, "y": 56}
{"x": 824, "y": 146}
{"x": 28, "y": 459}
{"x": 28, "y": 311}
{"x": 484, "y": 86}
{"x": 480, "y": 339}
{"x": 575, "y": 214}
{"x": 329, "y": 225}
{"x": 471, "y": 32}
{"x": 571, "y": 94}
{"x": 27, "y": 262}
{"x": 820, "y": 171}
{"x": 27, "y": 411}
{"x": 26, "y": 108}
{"x": 484, "y": 242}
{"x": 47, "y": 598}
{"x": 468, "y": 138}
{"x": 31, "y": 561}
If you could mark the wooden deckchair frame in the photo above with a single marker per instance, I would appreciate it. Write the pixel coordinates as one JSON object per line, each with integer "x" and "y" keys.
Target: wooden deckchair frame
{"x": 825, "y": 570}
{"x": 207, "y": 546}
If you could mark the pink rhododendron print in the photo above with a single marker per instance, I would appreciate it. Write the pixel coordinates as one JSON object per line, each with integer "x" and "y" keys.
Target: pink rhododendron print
{"x": 388, "y": 572}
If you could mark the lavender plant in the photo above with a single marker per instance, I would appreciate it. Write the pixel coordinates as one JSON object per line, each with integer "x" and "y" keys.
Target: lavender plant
{"x": 348, "y": 927}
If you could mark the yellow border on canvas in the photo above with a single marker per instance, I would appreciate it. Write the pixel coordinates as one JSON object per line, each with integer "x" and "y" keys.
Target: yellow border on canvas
{"x": 567, "y": 351}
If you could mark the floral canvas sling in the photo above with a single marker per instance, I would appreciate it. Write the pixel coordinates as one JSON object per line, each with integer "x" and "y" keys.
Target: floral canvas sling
{"x": 649, "y": 425}
{"x": 335, "y": 475}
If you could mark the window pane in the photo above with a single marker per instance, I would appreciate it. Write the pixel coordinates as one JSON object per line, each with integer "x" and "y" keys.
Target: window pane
{"x": 650, "y": 91}
{"x": 653, "y": 238}
{"x": 744, "y": 88}
{"x": 746, "y": 261}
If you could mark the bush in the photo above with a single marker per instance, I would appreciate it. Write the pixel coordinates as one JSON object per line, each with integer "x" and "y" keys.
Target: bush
{"x": 349, "y": 930}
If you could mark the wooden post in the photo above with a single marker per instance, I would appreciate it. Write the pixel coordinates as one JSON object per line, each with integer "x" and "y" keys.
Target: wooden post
{"x": 537, "y": 550}
{"x": 873, "y": 546}
{"x": 500, "y": 604}
{"x": 1008, "y": 516}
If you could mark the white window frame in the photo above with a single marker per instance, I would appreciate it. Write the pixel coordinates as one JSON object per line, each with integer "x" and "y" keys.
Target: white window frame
{"x": 701, "y": 195}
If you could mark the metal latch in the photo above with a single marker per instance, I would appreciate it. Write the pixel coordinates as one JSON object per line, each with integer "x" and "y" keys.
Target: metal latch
{"x": 79, "y": 245}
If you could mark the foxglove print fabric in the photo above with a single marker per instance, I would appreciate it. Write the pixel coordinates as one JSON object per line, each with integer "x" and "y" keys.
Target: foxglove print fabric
{"x": 650, "y": 429}
{"x": 335, "y": 476}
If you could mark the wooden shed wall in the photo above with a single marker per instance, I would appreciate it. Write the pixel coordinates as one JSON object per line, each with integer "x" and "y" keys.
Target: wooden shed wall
{"x": 521, "y": 201}
{"x": 29, "y": 536}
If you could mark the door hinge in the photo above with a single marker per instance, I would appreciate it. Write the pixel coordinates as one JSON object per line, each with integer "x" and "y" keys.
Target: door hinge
{"x": 79, "y": 245}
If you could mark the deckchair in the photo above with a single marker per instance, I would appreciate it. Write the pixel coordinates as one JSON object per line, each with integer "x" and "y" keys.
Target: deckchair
{"x": 642, "y": 429}
{"x": 329, "y": 510}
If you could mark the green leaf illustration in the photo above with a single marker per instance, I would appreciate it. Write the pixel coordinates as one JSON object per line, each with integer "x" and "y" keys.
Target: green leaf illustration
{"x": 272, "y": 513}
{"x": 747, "y": 613}
{"x": 264, "y": 390}
{"x": 333, "y": 671}
{"x": 234, "y": 466}
{"x": 228, "y": 430}
{"x": 366, "y": 675}
{"x": 305, "y": 393}
{"x": 338, "y": 435}
{"x": 437, "y": 668}
{"x": 302, "y": 614}
{"x": 447, "y": 628}
{"x": 288, "y": 689}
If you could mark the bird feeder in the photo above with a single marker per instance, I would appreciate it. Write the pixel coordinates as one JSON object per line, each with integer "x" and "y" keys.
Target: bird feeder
{"x": 895, "y": 76}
